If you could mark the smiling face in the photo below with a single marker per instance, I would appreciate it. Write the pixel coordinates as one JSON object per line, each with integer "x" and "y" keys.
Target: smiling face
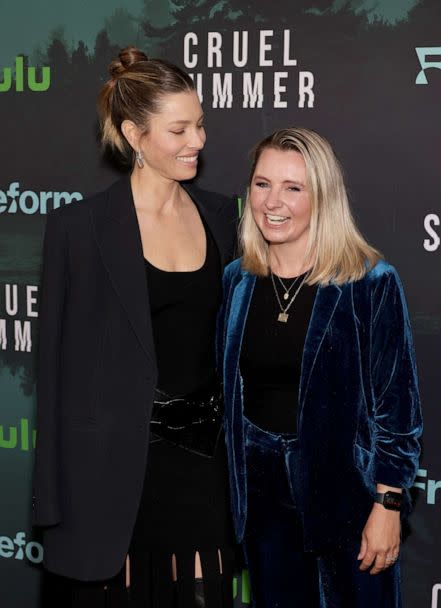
{"x": 279, "y": 198}
{"x": 174, "y": 139}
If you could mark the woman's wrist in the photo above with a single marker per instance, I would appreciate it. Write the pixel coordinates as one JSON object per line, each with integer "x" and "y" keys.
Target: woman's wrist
{"x": 388, "y": 498}
{"x": 382, "y": 489}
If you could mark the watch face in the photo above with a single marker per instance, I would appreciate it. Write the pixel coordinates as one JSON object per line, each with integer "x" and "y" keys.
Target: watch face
{"x": 392, "y": 500}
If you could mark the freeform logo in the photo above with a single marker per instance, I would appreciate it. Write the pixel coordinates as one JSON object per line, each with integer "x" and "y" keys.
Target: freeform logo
{"x": 20, "y": 437}
{"x": 425, "y": 54}
{"x": 18, "y": 548}
{"x": 429, "y": 486}
{"x": 436, "y": 595}
{"x": 30, "y": 202}
{"x": 433, "y": 242}
{"x": 273, "y": 54}
{"x": 25, "y": 74}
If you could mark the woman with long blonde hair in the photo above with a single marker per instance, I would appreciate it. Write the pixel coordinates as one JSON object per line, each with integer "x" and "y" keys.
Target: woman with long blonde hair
{"x": 321, "y": 395}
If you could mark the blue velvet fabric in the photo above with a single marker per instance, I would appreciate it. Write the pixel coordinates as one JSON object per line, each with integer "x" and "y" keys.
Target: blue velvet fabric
{"x": 282, "y": 574}
{"x": 359, "y": 418}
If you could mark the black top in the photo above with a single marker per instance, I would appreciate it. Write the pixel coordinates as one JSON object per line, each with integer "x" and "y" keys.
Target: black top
{"x": 183, "y": 310}
{"x": 271, "y": 355}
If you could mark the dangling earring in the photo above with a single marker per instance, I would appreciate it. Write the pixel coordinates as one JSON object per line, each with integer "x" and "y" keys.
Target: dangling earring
{"x": 139, "y": 159}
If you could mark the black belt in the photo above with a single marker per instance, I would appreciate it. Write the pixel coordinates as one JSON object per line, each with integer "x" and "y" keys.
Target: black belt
{"x": 192, "y": 421}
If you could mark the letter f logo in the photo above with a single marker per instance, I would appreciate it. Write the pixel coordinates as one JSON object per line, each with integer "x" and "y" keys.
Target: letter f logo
{"x": 423, "y": 53}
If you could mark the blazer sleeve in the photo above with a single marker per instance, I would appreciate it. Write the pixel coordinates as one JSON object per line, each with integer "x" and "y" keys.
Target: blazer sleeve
{"x": 230, "y": 214}
{"x": 394, "y": 386}
{"x": 46, "y": 500}
{"x": 223, "y": 314}
{"x": 235, "y": 215}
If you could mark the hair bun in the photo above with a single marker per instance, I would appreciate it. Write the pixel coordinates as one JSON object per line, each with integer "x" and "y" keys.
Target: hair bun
{"x": 126, "y": 58}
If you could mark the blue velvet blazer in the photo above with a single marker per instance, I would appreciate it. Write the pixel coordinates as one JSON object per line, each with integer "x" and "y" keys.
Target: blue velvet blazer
{"x": 359, "y": 416}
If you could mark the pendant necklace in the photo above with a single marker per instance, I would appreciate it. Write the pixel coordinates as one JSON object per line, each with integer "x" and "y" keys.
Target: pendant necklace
{"x": 283, "y": 314}
{"x": 287, "y": 289}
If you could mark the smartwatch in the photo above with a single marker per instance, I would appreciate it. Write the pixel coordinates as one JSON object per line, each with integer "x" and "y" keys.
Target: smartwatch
{"x": 390, "y": 500}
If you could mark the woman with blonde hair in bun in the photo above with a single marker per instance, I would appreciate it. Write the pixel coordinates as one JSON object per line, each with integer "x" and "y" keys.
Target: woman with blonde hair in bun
{"x": 130, "y": 481}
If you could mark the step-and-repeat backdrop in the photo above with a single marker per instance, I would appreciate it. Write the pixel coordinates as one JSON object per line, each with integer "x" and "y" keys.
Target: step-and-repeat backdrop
{"x": 364, "y": 73}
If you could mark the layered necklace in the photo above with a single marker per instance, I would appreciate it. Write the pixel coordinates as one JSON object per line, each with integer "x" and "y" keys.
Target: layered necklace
{"x": 283, "y": 314}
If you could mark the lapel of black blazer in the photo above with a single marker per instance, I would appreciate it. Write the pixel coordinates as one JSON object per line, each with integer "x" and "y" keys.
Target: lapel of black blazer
{"x": 221, "y": 231}
{"x": 119, "y": 241}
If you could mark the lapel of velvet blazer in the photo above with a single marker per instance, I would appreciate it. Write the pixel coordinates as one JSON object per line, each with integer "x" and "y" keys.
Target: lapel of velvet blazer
{"x": 325, "y": 303}
{"x": 237, "y": 316}
{"x": 119, "y": 241}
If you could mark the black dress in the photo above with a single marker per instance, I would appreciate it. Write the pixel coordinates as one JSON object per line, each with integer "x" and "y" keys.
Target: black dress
{"x": 97, "y": 376}
{"x": 185, "y": 503}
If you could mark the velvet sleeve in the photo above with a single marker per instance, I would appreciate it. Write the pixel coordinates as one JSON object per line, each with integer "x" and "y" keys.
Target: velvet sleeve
{"x": 46, "y": 505}
{"x": 397, "y": 416}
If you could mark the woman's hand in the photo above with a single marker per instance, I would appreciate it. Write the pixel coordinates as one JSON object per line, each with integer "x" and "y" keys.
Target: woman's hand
{"x": 380, "y": 539}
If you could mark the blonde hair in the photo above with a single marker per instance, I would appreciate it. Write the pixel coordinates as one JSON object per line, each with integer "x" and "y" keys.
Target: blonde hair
{"x": 134, "y": 92}
{"x": 336, "y": 249}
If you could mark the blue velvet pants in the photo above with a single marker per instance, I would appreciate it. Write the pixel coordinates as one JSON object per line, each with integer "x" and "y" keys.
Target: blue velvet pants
{"x": 282, "y": 574}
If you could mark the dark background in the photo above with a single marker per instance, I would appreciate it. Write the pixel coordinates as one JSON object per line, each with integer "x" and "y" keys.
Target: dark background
{"x": 384, "y": 127}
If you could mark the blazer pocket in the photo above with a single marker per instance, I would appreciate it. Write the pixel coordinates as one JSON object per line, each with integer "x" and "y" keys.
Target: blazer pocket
{"x": 362, "y": 458}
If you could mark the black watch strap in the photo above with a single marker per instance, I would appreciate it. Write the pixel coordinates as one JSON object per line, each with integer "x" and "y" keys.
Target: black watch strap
{"x": 390, "y": 500}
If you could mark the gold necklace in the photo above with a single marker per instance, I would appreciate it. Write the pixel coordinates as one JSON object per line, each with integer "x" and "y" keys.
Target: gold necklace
{"x": 287, "y": 290}
{"x": 283, "y": 314}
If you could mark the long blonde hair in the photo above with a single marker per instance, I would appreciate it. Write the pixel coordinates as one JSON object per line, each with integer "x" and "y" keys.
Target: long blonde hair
{"x": 336, "y": 249}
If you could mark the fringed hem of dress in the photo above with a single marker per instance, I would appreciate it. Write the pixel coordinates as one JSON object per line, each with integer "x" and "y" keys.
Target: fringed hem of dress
{"x": 152, "y": 583}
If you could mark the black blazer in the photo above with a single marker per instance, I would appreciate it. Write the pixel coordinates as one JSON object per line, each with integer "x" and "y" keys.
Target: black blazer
{"x": 97, "y": 373}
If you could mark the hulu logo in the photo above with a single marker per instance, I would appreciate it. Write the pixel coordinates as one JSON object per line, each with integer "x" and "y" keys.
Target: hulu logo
{"x": 25, "y": 75}
{"x": 18, "y": 437}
